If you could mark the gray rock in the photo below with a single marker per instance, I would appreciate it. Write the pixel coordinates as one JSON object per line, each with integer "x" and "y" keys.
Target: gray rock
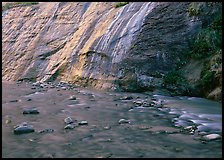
{"x": 36, "y": 83}
{"x": 47, "y": 130}
{"x": 8, "y": 121}
{"x": 63, "y": 88}
{"x": 68, "y": 120}
{"x": 123, "y": 121}
{"x": 211, "y": 137}
{"x": 31, "y": 111}
{"x": 15, "y": 100}
{"x": 126, "y": 98}
{"x": 138, "y": 102}
{"x": 72, "y": 97}
{"x": 29, "y": 99}
{"x": 23, "y": 128}
{"x": 107, "y": 127}
{"x": 83, "y": 123}
{"x": 69, "y": 126}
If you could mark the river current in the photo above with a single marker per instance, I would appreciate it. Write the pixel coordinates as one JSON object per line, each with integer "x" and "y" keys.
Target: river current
{"x": 120, "y": 124}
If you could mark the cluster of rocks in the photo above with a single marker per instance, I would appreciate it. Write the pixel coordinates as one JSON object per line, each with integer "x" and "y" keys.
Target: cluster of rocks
{"x": 152, "y": 102}
{"x": 70, "y": 124}
{"x": 46, "y": 85}
{"x": 180, "y": 120}
{"x": 27, "y": 128}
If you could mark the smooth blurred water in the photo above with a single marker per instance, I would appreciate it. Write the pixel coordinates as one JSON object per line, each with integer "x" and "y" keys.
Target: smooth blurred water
{"x": 204, "y": 113}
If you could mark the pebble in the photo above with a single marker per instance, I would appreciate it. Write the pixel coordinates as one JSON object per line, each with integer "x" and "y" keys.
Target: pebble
{"x": 138, "y": 102}
{"x": 107, "y": 127}
{"x": 83, "y": 123}
{"x": 63, "y": 88}
{"x": 31, "y": 111}
{"x": 69, "y": 126}
{"x": 72, "y": 98}
{"x": 47, "y": 130}
{"x": 36, "y": 83}
{"x": 68, "y": 120}
{"x": 126, "y": 98}
{"x": 211, "y": 137}
{"x": 23, "y": 128}
{"x": 29, "y": 99}
{"x": 8, "y": 121}
{"x": 123, "y": 121}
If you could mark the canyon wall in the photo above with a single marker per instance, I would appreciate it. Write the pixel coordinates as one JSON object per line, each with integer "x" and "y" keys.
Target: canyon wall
{"x": 96, "y": 44}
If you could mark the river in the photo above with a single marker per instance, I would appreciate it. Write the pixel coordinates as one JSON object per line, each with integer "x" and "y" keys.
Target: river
{"x": 153, "y": 126}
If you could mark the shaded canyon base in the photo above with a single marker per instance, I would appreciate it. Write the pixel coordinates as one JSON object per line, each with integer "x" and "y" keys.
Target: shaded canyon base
{"x": 147, "y": 131}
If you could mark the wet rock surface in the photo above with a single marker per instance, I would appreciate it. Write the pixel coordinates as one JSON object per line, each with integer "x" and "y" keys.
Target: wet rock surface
{"x": 31, "y": 111}
{"x": 151, "y": 133}
{"x": 23, "y": 128}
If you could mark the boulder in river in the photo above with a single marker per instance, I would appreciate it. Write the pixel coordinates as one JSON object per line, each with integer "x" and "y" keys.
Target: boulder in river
{"x": 23, "y": 128}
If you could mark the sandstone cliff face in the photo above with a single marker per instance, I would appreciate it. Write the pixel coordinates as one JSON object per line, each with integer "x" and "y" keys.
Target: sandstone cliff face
{"x": 94, "y": 43}
{"x": 69, "y": 41}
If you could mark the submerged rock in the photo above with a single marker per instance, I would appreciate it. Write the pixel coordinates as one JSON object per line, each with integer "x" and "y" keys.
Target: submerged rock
{"x": 31, "y": 111}
{"x": 23, "y": 128}
{"x": 47, "y": 130}
{"x": 14, "y": 100}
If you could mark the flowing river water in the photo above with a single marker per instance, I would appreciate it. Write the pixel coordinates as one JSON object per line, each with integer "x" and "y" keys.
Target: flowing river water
{"x": 153, "y": 125}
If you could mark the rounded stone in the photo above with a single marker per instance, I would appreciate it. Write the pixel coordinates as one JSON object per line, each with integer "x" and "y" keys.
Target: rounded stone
{"x": 83, "y": 123}
{"x": 68, "y": 120}
{"x": 23, "y": 128}
{"x": 123, "y": 121}
{"x": 72, "y": 97}
{"x": 69, "y": 126}
{"x": 211, "y": 137}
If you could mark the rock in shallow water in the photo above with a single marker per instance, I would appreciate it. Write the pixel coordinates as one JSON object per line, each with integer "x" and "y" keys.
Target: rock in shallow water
{"x": 83, "y": 123}
{"x": 68, "y": 120}
{"x": 211, "y": 137}
{"x": 47, "y": 130}
{"x": 31, "y": 111}
{"x": 123, "y": 121}
{"x": 72, "y": 97}
{"x": 126, "y": 98}
{"x": 69, "y": 126}
{"x": 23, "y": 128}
